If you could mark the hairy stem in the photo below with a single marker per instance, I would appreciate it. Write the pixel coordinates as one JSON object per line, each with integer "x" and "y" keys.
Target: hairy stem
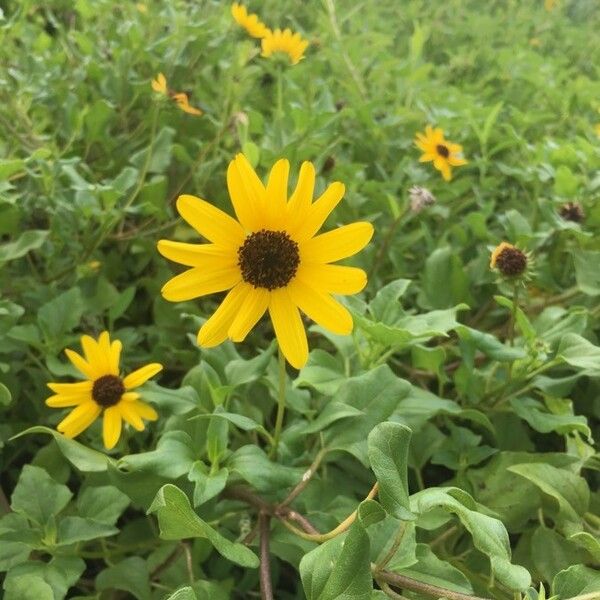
{"x": 266, "y": 588}
{"x": 280, "y": 403}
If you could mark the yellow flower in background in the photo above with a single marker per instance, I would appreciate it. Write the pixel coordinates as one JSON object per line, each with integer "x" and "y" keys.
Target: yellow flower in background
{"x": 550, "y": 5}
{"x": 597, "y": 128}
{"x": 103, "y": 392}
{"x": 443, "y": 153}
{"x": 159, "y": 84}
{"x": 284, "y": 42}
{"x": 250, "y": 22}
{"x": 270, "y": 258}
{"x": 182, "y": 101}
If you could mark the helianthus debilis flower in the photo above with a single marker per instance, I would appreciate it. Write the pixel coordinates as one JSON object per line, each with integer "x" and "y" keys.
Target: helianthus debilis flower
{"x": 104, "y": 392}
{"x": 159, "y": 85}
{"x": 436, "y": 148}
{"x": 509, "y": 260}
{"x": 270, "y": 258}
{"x": 250, "y": 22}
{"x": 284, "y": 42}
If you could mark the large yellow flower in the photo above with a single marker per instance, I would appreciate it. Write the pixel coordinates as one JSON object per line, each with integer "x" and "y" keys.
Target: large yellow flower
{"x": 103, "y": 391}
{"x": 250, "y": 22}
{"x": 269, "y": 259}
{"x": 443, "y": 153}
{"x": 284, "y": 42}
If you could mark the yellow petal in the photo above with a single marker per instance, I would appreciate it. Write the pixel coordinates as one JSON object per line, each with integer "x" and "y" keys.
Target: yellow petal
{"x": 318, "y": 212}
{"x": 197, "y": 282}
{"x": 210, "y": 222}
{"x": 90, "y": 371}
{"x": 288, "y": 327}
{"x": 246, "y": 195}
{"x": 301, "y": 199}
{"x": 337, "y": 244}
{"x": 252, "y": 309}
{"x": 214, "y": 331}
{"x": 456, "y": 161}
{"x": 276, "y": 194}
{"x": 115, "y": 356}
{"x": 428, "y": 156}
{"x": 141, "y": 375}
{"x": 321, "y": 308}
{"x": 131, "y": 415}
{"x": 111, "y": 427}
{"x": 333, "y": 279}
{"x": 59, "y": 401}
{"x": 129, "y": 396}
{"x": 71, "y": 389}
{"x": 160, "y": 84}
{"x": 94, "y": 355}
{"x": 79, "y": 419}
{"x": 442, "y": 165}
{"x": 106, "y": 351}
{"x": 194, "y": 255}
{"x": 145, "y": 411}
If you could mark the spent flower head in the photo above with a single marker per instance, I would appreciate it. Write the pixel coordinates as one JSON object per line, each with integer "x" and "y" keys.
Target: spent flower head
{"x": 509, "y": 261}
{"x": 572, "y": 211}
{"x": 420, "y": 198}
{"x": 104, "y": 392}
{"x": 269, "y": 259}
{"x": 443, "y": 153}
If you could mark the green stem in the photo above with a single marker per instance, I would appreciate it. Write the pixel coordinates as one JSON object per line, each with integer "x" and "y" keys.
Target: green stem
{"x": 280, "y": 402}
{"x": 385, "y": 245}
{"x": 279, "y": 109}
{"x": 513, "y": 315}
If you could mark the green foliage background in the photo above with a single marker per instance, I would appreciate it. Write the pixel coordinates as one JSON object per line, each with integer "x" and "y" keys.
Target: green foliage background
{"x": 483, "y": 450}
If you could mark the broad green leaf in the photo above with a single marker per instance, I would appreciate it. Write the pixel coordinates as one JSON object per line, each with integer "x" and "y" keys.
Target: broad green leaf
{"x": 570, "y": 491}
{"x": 579, "y": 352}
{"x": 565, "y": 182}
{"x": 130, "y": 575}
{"x": 323, "y": 372}
{"x": 27, "y": 587}
{"x": 10, "y": 166}
{"x": 240, "y": 421}
{"x": 240, "y": 372}
{"x": 489, "y": 345}
{"x": 104, "y": 504}
{"x": 386, "y": 307}
{"x": 339, "y": 569}
{"x": 5, "y": 396}
{"x": 587, "y": 273}
{"x": 588, "y": 542}
{"x": 185, "y": 593}
{"x": 332, "y": 412}
{"x": 178, "y": 402}
{"x": 489, "y": 534}
{"x": 370, "y": 512}
{"x": 61, "y": 314}
{"x": 207, "y": 484}
{"x": 177, "y": 520}
{"x": 27, "y": 241}
{"x": 575, "y": 581}
{"x": 444, "y": 279}
{"x": 388, "y": 445}
{"x": 38, "y": 496}
{"x": 83, "y": 458}
{"x": 78, "y": 529}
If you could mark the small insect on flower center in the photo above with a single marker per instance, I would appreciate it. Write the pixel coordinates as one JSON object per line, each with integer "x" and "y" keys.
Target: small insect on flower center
{"x": 107, "y": 390}
{"x": 268, "y": 259}
{"x": 443, "y": 150}
{"x": 511, "y": 262}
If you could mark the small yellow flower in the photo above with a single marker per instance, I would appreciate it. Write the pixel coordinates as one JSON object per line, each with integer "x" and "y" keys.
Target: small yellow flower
{"x": 159, "y": 84}
{"x": 270, "y": 258}
{"x": 103, "y": 391}
{"x": 509, "y": 260}
{"x": 250, "y": 22}
{"x": 443, "y": 153}
{"x": 550, "y": 5}
{"x": 284, "y": 42}
{"x": 597, "y": 128}
{"x": 182, "y": 101}
{"x": 142, "y": 7}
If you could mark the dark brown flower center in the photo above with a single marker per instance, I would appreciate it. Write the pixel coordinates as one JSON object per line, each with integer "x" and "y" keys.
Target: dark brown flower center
{"x": 443, "y": 150}
{"x": 511, "y": 262}
{"x": 268, "y": 259}
{"x": 107, "y": 390}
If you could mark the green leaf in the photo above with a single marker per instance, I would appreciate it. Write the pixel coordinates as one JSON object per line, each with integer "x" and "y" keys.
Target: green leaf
{"x": 489, "y": 344}
{"x": 27, "y": 587}
{"x": 240, "y": 421}
{"x": 430, "y": 569}
{"x": 370, "y": 512}
{"x": 5, "y": 396}
{"x": 570, "y": 491}
{"x": 333, "y": 411}
{"x": 81, "y": 457}
{"x": 38, "y": 496}
{"x": 377, "y": 394}
{"x": 388, "y": 445}
{"x": 61, "y": 314}
{"x": 241, "y": 372}
{"x": 30, "y": 240}
{"x": 208, "y": 485}
{"x": 579, "y": 352}
{"x": 588, "y": 542}
{"x": 587, "y": 273}
{"x": 184, "y": 593}
{"x": 565, "y": 182}
{"x": 489, "y": 534}
{"x": 576, "y": 580}
{"x": 102, "y": 503}
{"x": 339, "y": 569}
{"x": 130, "y": 575}
{"x": 177, "y": 520}
{"x": 78, "y": 529}
{"x": 10, "y": 166}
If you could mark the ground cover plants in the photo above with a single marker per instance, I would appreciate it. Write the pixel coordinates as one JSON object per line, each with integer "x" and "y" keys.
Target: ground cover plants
{"x": 299, "y": 299}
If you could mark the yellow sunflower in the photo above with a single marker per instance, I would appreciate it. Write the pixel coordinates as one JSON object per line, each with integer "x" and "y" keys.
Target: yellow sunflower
{"x": 269, "y": 258}
{"x": 443, "y": 153}
{"x": 183, "y": 103}
{"x": 104, "y": 391}
{"x": 250, "y": 22}
{"x": 159, "y": 85}
{"x": 284, "y": 42}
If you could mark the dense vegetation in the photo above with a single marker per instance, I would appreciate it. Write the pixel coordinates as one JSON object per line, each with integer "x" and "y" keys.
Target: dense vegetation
{"x": 447, "y": 444}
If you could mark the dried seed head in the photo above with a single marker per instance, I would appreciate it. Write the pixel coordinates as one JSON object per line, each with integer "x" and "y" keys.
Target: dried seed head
{"x": 420, "y": 198}
{"x": 509, "y": 260}
{"x": 572, "y": 211}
